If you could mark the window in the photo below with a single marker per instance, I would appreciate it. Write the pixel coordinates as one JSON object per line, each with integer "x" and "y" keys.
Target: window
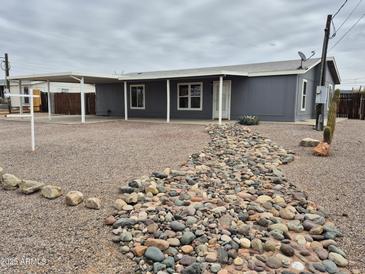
{"x": 26, "y": 92}
{"x": 137, "y": 97}
{"x": 190, "y": 96}
{"x": 304, "y": 95}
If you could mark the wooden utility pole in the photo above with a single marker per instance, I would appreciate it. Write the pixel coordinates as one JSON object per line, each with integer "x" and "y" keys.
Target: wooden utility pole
{"x": 7, "y": 82}
{"x": 322, "y": 77}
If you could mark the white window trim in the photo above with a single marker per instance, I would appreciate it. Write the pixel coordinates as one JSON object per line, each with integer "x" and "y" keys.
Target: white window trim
{"x": 130, "y": 96}
{"x": 302, "y": 95}
{"x": 189, "y": 96}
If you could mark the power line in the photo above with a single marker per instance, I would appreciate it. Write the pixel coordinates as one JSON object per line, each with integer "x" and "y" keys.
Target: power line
{"x": 347, "y": 18}
{"x": 347, "y": 32}
{"x": 344, "y": 3}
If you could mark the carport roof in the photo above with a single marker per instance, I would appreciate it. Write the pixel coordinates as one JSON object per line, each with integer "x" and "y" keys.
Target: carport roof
{"x": 69, "y": 77}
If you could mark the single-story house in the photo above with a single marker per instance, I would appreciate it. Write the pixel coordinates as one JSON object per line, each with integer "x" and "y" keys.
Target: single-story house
{"x": 273, "y": 91}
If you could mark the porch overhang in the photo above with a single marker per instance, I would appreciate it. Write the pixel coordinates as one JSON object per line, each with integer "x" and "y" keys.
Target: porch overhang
{"x": 173, "y": 75}
{"x": 68, "y": 77}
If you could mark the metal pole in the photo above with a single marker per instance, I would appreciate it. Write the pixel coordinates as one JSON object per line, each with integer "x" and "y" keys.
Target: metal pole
{"x": 125, "y": 101}
{"x": 20, "y": 98}
{"x": 82, "y": 94}
{"x": 32, "y": 119}
{"x": 322, "y": 79}
{"x": 220, "y": 99}
{"x": 49, "y": 101}
{"x": 7, "y": 69}
{"x": 168, "y": 100}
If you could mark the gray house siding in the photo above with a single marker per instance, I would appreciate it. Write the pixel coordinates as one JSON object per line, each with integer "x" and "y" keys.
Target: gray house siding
{"x": 270, "y": 98}
{"x": 109, "y": 97}
{"x": 312, "y": 78}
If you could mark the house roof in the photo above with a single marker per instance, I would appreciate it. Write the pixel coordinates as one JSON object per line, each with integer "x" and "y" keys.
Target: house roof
{"x": 249, "y": 70}
{"x": 69, "y": 77}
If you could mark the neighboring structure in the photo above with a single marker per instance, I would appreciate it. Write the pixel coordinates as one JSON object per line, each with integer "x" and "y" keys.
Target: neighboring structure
{"x": 40, "y": 88}
{"x": 274, "y": 91}
{"x": 2, "y": 88}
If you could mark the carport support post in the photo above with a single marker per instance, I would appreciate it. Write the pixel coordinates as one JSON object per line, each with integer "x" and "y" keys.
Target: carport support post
{"x": 168, "y": 101}
{"x": 49, "y": 101}
{"x": 32, "y": 118}
{"x": 20, "y": 98}
{"x": 125, "y": 101}
{"x": 220, "y": 98}
{"x": 82, "y": 94}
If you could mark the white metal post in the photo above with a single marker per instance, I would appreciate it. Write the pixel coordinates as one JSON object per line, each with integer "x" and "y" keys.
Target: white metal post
{"x": 20, "y": 98}
{"x": 32, "y": 119}
{"x": 125, "y": 101}
{"x": 82, "y": 94}
{"x": 168, "y": 101}
{"x": 49, "y": 101}
{"x": 220, "y": 99}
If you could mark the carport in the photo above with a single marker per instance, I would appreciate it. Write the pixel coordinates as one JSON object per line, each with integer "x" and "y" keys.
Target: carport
{"x": 66, "y": 77}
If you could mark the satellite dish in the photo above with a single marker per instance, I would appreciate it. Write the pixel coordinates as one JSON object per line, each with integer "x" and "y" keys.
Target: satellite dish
{"x": 302, "y": 56}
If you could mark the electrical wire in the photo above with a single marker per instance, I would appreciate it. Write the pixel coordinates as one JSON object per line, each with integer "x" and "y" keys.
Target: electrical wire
{"x": 347, "y": 18}
{"x": 344, "y": 3}
{"x": 347, "y": 32}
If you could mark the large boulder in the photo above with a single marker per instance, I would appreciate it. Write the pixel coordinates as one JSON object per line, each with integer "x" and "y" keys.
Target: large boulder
{"x": 10, "y": 182}
{"x": 322, "y": 149}
{"x": 309, "y": 142}
{"x": 1, "y": 172}
{"x": 51, "y": 192}
{"x": 74, "y": 198}
{"x": 29, "y": 186}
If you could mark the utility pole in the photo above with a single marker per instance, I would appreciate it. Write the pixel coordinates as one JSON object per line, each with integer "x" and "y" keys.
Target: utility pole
{"x": 322, "y": 77}
{"x": 7, "y": 69}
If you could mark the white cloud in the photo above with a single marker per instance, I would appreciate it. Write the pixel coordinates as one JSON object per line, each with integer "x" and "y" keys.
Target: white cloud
{"x": 108, "y": 36}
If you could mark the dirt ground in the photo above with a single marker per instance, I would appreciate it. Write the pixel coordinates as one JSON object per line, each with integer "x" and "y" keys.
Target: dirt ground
{"x": 38, "y": 235}
{"x": 46, "y": 236}
{"x": 336, "y": 183}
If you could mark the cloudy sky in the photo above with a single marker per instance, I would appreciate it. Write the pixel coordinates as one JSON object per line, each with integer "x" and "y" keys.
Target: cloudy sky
{"x": 115, "y": 36}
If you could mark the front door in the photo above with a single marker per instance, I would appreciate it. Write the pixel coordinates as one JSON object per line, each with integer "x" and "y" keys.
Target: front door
{"x": 226, "y": 100}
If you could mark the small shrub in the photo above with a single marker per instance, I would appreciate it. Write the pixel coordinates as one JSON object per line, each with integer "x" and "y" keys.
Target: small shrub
{"x": 327, "y": 135}
{"x": 248, "y": 120}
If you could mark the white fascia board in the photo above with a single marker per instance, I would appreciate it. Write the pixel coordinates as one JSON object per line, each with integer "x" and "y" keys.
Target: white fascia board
{"x": 61, "y": 74}
{"x": 185, "y": 75}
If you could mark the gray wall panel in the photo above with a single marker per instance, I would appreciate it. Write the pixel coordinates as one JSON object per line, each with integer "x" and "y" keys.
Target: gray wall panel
{"x": 271, "y": 98}
{"x": 109, "y": 97}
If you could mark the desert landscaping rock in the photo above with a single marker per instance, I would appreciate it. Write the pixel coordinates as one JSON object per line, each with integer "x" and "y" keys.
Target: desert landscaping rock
{"x": 74, "y": 198}
{"x": 51, "y": 192}
{"x": 229, "y": 205}
{"x": 29, "y": 186}
{"x": 10, "y": 181}
{"x": 93, "y": 203}
{"x": 309, "y": 142}
{"x": 154, "y": 254}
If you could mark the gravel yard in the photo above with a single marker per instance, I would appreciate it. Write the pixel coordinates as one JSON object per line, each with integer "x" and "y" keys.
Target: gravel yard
{"x": 39, "y": 235}
{"x": 337, "y": 183}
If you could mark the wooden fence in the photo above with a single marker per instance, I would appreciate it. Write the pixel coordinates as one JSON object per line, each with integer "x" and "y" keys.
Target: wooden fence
{"x": 70, "y": 103}
{"x": 352, "y": 106}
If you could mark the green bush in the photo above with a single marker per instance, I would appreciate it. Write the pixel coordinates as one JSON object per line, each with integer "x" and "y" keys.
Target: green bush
{"x": 331, "y": 117}
{"x": 248, "y": 120}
